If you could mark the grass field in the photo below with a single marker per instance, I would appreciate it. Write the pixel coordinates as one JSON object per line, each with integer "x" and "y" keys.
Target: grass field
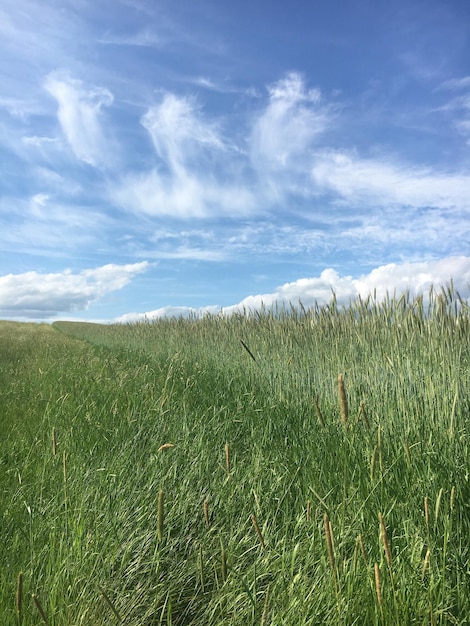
{"x": 219, "y": 471}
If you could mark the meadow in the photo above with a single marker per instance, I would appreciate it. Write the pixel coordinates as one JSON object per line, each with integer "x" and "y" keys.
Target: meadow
{"x": 286, "y": 467}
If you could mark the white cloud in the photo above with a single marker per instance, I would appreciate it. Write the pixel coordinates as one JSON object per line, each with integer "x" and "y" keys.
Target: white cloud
{"x": 382, "y": 183}
{"x": 186, "y": 183}
{"x": 178, "y": 131}
{"x": 393, "y": 279}
{"x": 287, "y": 127}
{"x": 79, "y": 116}
{"x": 459, "y": 105}
{"x": 167, "y": 311}
{"x": 39, "y": 296}
{"x": 184, "y": 195}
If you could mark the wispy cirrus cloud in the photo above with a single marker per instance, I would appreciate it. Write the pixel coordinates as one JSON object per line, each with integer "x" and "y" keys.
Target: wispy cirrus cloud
{"x": 382, "y": 182}
{"x": 186, "y": 180}
{"x": 38, "y": 296}
{"x": 459, "y": 105}
{"x": 284, "y": 131}
{"x": 79, "y": 112}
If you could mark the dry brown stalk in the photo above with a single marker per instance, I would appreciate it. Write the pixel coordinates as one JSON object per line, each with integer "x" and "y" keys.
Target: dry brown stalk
{"x": 258, "y": 531}
{"x": 19, "y": 597}
{"x": 343, "y": 400}
{"x": 362, "y": 411}
{"x": 363, "y": 548}
{"x": 165, "y": 446}
{"x": 206, "y": 512}
{"x": 109, "y": 602}
{"x": 318, "y": 412}
{"x": 38, "y": 605}
{"x": 224, "y": 565}
{"x": 377, "y": 583}
{"x": 388, "y": 554}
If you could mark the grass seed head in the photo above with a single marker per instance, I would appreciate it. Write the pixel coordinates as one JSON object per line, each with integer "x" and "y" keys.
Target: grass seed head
{"x": 378, "y": 589}
{"x": 38, "y": 605}
{"x": 386, "y": 545}
{"x": 342, "y": 400}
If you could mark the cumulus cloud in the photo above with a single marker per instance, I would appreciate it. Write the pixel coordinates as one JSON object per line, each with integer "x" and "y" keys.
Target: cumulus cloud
{"x": 79, "y": 112}
{"x": 39, "y": 296}
{"x": 392, "y": 279}
{"x": 168, "y": 311}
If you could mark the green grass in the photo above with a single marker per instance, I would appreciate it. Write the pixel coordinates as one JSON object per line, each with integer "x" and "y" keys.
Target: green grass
{"x": 268, "y": 508}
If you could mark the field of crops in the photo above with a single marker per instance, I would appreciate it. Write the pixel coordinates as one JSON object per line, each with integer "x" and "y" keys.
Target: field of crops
{"x": 287, "y": 467}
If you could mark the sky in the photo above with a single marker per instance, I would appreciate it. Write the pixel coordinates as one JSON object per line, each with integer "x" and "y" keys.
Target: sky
{"x": 166, "y": 157}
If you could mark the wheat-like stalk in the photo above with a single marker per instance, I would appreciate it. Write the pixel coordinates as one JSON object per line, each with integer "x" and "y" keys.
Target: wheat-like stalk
{"x": 438, "y": 504}
{"x": 360, "y": 539}
{"x": 378, "y": 589}
{"x": 425, "y": 563}
{"x": 258, "y": 531}
{"x": 223, "y": 557}
{"x": 386, "y": 545}
{"x": 426, "y": 510}
{"x": 452, "y": 498}
{"x": 19, "y": 597}
{"x": 38, "y": 605}
{"x": 109, "y": 602}
{"x": 362, "y": 412}
{"x": 54, "y": 442}
{"x": 318, "y": 412}
{"x": 206, "y": 513}
{"x": 343, "y": 400}
{"x": 264, "y": 617}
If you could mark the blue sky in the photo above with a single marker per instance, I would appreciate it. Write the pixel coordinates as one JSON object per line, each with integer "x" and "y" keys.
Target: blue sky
{"x": 164, "y": 157}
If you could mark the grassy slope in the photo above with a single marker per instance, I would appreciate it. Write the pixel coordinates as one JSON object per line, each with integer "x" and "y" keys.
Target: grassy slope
{"x": 87, "y": 516}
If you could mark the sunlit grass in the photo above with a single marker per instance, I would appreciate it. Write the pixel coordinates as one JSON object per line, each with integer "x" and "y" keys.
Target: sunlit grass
{"x": 214, "y": 470}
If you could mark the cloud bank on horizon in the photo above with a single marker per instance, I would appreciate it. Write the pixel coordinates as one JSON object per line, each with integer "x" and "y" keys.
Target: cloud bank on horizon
{"x": 210, "y": 152}
{"x": 35, "y": 296}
